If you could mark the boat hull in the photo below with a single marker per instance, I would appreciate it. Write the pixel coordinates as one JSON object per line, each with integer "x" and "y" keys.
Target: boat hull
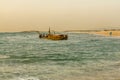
{"x": 55, "y": 37}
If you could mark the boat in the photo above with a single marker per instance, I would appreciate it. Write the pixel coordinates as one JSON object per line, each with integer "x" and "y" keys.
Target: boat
{"x": 53, "y": 36}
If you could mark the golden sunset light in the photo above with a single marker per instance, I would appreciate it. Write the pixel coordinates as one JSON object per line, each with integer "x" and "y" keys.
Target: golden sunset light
{"x": 21, "y": 15}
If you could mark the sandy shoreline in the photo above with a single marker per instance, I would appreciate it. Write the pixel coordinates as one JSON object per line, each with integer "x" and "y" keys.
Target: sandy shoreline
{"x": 107, "y": 33}
{"x": 102, "y": 32}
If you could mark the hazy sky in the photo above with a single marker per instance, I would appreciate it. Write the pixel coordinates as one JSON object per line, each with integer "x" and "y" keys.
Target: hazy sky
{"x": 21, "y": 15}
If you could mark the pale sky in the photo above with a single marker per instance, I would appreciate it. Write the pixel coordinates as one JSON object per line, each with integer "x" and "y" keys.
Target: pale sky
{"x": 22, "y": 15}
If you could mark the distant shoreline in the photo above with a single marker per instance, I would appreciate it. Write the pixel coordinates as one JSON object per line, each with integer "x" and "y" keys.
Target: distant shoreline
{"x": 106, "y": 32}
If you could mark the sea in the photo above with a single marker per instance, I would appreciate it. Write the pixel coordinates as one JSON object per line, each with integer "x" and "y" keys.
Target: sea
{"x": 23, "y": 56}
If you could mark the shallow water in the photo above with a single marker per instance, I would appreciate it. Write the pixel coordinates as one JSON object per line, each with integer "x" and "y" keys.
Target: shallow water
{"x": 23, "y": 56}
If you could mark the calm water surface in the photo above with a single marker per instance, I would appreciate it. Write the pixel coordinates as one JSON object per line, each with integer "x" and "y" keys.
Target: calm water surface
{"x": 23, "y": 56}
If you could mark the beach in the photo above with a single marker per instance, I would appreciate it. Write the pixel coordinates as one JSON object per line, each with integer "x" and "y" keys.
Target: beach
{"x": 107, "y": 33}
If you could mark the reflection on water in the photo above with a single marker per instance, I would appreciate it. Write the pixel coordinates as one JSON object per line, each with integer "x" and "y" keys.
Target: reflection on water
{"x": 23, "y": 56}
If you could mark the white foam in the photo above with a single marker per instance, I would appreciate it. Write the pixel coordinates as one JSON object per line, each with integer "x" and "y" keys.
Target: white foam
{"x": 25, "y": 78}
{"x": 3, "y": 56}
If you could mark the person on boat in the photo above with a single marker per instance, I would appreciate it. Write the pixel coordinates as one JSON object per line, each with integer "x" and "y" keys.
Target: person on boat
{"x": 110, "y": 33}
{"x": 40, "y": 35}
